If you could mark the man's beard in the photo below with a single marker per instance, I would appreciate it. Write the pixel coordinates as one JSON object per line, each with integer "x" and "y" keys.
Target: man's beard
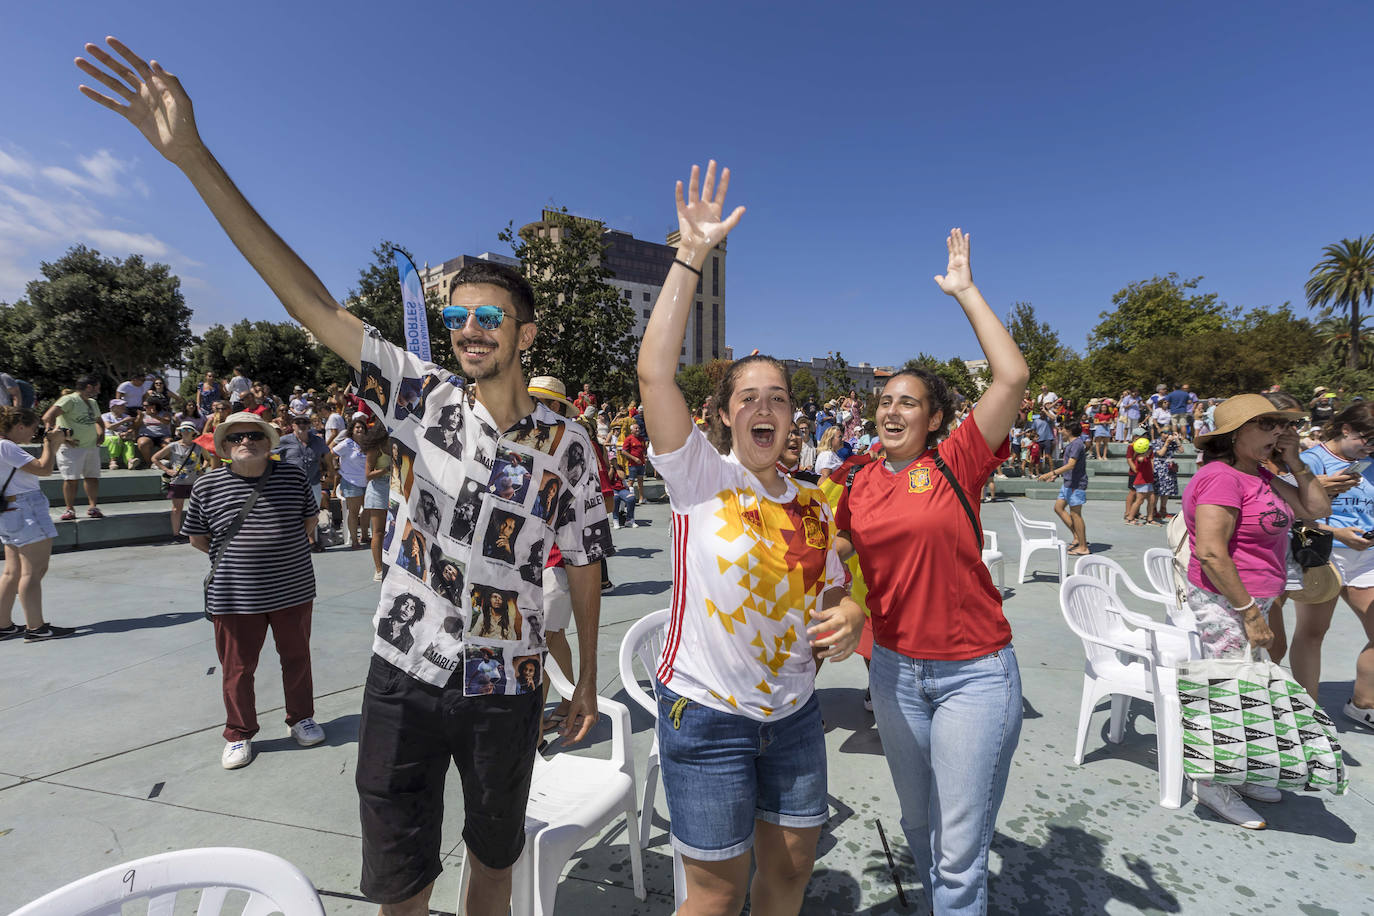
{"x": 499, "y": 365}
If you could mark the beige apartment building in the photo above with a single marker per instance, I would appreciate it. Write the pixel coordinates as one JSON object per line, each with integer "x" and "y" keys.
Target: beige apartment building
{"x": 639, "y": 268}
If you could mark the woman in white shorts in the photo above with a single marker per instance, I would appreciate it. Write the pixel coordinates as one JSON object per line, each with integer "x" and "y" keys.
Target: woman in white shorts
{"x": 1347, "y": 444}
{"x": 26, "y": 527}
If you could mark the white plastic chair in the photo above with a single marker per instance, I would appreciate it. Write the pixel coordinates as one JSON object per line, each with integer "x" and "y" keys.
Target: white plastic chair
{"x": 571, "y": 799}
{"x": 1124, "y": 660}
{"x": 273, "y": 885}
{"x": 644, "y": 642}
{"x": 1159, "y": 569}
{"x": 993, "y": 557}
{"x": 1110, "y": 573}
{"x": 1038, "y": 536}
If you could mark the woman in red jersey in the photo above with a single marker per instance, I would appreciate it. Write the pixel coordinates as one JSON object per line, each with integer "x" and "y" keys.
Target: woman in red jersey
{"x": 946, "y": 688}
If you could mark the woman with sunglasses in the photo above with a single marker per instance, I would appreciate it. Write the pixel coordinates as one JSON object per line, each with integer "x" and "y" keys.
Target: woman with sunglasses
{"x": 1239, "y": 516}
{"x": 353, "y": 477}
{"x": 26, "y": 529}
{"x": 741, "y": 742}
{"x": 1344, "y": 453}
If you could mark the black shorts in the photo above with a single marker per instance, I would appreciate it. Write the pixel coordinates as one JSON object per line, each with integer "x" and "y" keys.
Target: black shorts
{"x": 409, "y": 732}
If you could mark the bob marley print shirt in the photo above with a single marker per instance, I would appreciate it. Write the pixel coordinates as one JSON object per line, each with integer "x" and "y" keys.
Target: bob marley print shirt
{"x": 471, "y": 516}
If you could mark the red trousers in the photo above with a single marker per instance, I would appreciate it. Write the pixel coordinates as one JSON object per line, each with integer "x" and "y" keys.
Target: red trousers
{"x": 239, "y": 639}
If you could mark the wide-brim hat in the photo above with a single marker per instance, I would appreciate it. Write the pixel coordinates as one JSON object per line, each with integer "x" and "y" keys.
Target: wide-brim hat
{"x": 239, "y": 419}
{"x": 1320, "y": 583}
{"x": 550, "y": 388}
{"x": 1234, "y": 412}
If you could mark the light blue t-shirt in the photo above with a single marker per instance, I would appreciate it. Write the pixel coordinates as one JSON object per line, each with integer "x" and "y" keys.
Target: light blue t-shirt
{"x": 1355, "y": 507}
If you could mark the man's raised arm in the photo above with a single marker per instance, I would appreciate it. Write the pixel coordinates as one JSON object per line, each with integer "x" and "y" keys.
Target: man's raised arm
{"x": 154, "y": 101}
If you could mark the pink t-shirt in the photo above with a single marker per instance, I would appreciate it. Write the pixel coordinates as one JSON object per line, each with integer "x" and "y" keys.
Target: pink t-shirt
{"x": 1260, "y": 543}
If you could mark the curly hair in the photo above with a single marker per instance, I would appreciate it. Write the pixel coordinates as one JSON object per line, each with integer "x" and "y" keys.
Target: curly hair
{"x": 717, "y": 431}
{"x": 10, "y": 417}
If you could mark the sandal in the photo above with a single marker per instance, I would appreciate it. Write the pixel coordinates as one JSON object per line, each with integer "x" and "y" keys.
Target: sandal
{"x": 67, "y": 516}
{"x": 93, "y": 512}
{"x": 556, "y": 718}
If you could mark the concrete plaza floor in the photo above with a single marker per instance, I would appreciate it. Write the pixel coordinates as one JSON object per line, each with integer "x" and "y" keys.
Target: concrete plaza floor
{"x": 110, "y": 744}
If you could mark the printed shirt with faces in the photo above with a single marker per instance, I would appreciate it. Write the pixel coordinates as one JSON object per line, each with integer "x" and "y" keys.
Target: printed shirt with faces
{"x": 471, "y": 516}
{"x": 749, "y": 571}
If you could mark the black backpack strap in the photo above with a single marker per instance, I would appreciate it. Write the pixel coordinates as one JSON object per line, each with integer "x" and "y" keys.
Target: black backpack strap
{"x": 853, "y": 472}
{"x": 963, "y": 500}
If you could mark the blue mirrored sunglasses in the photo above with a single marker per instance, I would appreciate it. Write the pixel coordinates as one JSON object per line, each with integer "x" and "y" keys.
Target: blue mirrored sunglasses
{"x": 489, "y": 317}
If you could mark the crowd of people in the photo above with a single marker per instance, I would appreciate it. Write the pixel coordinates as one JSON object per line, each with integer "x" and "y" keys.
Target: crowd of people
{"x": 488, "y": 502}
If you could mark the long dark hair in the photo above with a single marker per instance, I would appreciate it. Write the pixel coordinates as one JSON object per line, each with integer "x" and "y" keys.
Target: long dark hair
{"x": 717, "y": 431}
{"x": 937, "y": 392}
{"x": 1358, "y": 416}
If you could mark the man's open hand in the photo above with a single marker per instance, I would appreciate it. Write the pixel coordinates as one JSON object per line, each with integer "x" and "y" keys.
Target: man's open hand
{"x": 153, "y": 100}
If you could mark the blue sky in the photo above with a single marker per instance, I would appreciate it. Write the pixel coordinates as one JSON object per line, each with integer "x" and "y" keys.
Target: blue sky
{"x": 1084, "y": 146}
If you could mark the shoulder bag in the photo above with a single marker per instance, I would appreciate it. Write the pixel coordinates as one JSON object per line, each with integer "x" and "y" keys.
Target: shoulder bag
{"x": 229, "y": 535}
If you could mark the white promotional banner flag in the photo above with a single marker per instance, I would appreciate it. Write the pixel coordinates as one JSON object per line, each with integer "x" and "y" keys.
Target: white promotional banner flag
{"x": 415, "y": 322}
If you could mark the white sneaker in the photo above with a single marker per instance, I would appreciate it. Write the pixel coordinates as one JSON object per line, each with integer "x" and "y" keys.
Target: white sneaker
{"x": 307, "y": 733}
{"x": 1260, "y": 793}
{"x": 236, "y": 754}
{"x": 1225, "y": 801}
{"x": 632, "y": 524}
{"x": 376, "y": 577}
{"x": 615, "y": 523}
{"x": 1358, "y": 713}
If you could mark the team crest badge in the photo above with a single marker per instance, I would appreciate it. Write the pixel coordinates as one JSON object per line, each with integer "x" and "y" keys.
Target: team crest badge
{"x": 814, "y": 532}
{"x": 918, "y": 480}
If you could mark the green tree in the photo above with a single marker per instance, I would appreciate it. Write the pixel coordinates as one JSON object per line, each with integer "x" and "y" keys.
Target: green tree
{"x": 835, "y": 381}
{"x": 278, "y": 353}
{"x": 114, "y": 318}
{"x": 953, "y": 371}
{"x": 695, "y": 385}
{"x": 1339, "y": 282}
{"x": 1039, "y": 343}
{"x": 804, "y": 386}
{"x": 1158, "y": 308}
{"x": 585, "y": 327}
{"x": 377, "y": 300}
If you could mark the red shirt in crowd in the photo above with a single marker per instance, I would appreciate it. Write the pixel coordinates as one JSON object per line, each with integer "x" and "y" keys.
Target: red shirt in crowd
{"x": 633, "y": 447}
{"x": 929, "y": 593}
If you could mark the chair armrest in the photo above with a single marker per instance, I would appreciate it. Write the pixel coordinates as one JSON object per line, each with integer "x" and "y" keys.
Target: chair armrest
{"x": 630, "y": 682}
{"x": 989, "y": 539}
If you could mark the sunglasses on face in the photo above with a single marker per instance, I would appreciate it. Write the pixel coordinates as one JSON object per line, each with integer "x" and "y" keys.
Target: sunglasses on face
{"x": 1269, "y": 424}
{"x": 251, "y": 436}
{"x": 489, "y": 317}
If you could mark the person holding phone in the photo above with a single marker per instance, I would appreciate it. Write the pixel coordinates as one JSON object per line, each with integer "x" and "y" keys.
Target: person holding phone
{"x": 1345, "y": 450}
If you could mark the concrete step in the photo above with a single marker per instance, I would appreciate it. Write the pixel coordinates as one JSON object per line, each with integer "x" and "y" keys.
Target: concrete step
{"x": 134, "y": 522}
{"x": 1100, "y": 488}
{"x": 115, "y": 487}
{"x": 1118, "y": 450}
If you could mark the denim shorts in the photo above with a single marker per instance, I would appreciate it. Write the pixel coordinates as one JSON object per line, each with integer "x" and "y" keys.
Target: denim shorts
{"x": 721, "y": 772}
{"x": 350, "y": 490}
{"x": 1144, "y": 488}
{"x": 378, "y": 489}
{"x": 1073, "y": 497}
{"x": 28, "y": 521}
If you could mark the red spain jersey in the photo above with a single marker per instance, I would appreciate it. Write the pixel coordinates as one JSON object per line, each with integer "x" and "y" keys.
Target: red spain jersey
{"x": 929, "y": 593}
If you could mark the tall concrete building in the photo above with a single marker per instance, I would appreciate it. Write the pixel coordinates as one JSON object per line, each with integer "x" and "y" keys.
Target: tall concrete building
{"x": 640, "y": 267}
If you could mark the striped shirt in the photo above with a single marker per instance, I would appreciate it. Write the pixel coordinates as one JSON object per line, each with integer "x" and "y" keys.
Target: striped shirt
{"x": 267, "y": 565}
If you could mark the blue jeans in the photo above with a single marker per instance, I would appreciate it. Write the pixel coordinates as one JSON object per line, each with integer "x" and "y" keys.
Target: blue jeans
{"x": 949, "y": 729}
{"x": 625, "y": 502}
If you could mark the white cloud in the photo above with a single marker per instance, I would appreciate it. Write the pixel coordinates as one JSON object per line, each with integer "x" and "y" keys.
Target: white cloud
{"x": 45, "y": 209}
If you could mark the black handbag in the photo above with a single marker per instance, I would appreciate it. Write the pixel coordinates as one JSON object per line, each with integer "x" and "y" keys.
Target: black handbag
{"x": 1311, "y": 545}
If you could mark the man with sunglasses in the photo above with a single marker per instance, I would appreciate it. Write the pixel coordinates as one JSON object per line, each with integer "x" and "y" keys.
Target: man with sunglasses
{"x": 416, "y": 716}
{"x": 263, "y": 579}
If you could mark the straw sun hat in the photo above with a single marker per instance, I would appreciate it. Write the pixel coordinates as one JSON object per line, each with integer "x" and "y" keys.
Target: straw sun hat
{"x": 245, "y": 418}
{"x": 1234, "y": 412}
{"x": 550, "y": 388}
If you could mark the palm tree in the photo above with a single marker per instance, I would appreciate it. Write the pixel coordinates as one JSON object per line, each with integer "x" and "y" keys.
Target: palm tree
{"x": 1334, "y": 333}
{"x": 1338, "y": 283}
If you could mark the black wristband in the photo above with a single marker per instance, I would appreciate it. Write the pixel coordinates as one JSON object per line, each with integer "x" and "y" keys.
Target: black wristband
{"x": 686, "y": 265}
